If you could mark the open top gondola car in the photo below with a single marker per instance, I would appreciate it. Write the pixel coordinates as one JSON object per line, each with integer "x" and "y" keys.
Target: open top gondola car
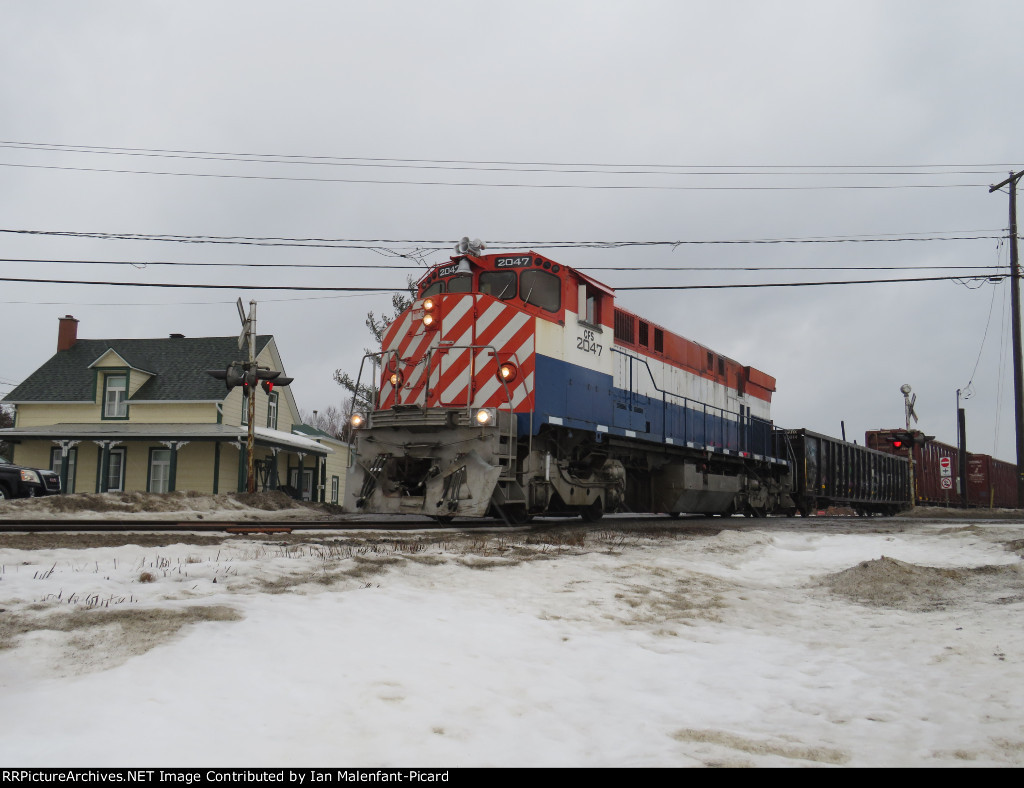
{"x": 514, "y": 386}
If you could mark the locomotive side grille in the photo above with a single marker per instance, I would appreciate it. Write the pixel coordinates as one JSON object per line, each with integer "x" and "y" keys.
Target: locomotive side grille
{"x": 624, "y": 327}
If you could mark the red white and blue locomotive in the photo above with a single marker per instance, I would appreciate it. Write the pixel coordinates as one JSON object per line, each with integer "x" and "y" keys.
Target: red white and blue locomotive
{"x": 515, "y": 386}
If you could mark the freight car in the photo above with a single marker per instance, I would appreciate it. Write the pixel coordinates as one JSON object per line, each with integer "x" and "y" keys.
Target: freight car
{"x": 991, "y": 483}
{"x": 831, "y": 472}
{"x": 936, "y": 467}
{"x": 515, "y": 386}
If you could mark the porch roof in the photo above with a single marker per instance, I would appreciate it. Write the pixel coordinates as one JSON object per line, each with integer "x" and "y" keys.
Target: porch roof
{"x": 128, "y": 431}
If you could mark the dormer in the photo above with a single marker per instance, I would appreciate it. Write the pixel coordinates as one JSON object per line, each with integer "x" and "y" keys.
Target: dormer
{"x": 116, "y": 382}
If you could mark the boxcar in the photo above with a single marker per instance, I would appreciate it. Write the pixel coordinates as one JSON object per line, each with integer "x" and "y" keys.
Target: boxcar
{"x": 991, "y": 483}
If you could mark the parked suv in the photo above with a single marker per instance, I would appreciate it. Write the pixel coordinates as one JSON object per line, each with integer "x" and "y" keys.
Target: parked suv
{"x": 19, "y": 482}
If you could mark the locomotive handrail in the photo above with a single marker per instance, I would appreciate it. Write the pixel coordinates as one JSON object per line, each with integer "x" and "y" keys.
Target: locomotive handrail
{"x": 355, "y": 396}
{"x": 688, "y": 403}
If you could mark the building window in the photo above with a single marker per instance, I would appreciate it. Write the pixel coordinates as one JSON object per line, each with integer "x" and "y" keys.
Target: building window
{"x": 55, "y": 463}
{"x": 335, "y": 484}
{"x": 159, "y": 470}
{"x": 306, "y": 488}
{"x": 115, "y": 397}
{"x": 115, "y": 473}
{"x": 272, "y": 410}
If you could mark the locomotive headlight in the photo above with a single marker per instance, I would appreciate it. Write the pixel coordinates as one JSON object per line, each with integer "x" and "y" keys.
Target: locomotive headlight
{"x": 431, "y": 314}
{"x": 396, "y": 379}
{"x": 485, "y": 416}
{"x": 357, "y": 420}
{"x": 507, "y": 372}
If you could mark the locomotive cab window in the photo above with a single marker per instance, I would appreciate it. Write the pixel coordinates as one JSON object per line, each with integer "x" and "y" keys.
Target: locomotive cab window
{"x": 541, "y": 289}
{"x": 590, "y": 306}
{"x": 463, "y": 283}
{"x": 434, "y": 289}
{"x": 500, "y": 284}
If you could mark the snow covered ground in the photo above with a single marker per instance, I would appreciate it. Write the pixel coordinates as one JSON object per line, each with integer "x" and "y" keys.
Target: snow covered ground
{"x": 734, "y": 643}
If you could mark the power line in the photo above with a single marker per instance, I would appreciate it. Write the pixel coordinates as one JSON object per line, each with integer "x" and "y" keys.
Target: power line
{"x": 599, "y": 168}
{"x": 204, "y": 286}
{"x": 478, "y": 184}
{"x": 141, "y": 264}
{"x": 326, "y": 288}
{"x": 379, "y": 243}
{"x": 993, "y": 279}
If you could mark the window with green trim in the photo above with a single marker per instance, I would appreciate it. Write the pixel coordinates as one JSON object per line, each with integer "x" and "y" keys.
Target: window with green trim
{"x": 159, "y": 470}
{"x": 115, "y": 397}
{"x": 272, "y": 410}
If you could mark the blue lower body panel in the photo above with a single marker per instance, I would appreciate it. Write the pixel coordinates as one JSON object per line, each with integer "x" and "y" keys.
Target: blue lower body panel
{"x": 579, "y": 398}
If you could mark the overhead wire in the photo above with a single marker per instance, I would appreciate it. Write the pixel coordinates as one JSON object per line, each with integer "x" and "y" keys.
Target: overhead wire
{"x": 332, "y": 288}
{"x": 527, "y": 168}
{"x": 418, "y": 245}
{"x": 142, "y": 264}
{"x": 578, "y": 167}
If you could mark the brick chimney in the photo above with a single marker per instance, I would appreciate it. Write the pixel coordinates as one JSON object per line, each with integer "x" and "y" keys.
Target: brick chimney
{"x": 67, "y": 333}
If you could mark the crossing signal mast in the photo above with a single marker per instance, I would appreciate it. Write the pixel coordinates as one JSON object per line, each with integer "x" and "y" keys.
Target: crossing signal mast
{"x": 247, "y": 374}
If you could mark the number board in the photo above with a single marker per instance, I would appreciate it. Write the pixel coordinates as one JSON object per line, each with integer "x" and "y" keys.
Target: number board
{"x": 513, "y": 261}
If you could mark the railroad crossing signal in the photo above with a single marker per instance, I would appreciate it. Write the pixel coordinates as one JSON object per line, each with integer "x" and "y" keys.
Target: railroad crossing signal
{"x": 270, "y": 378}
{"x": 248, "y": 321}
{"x": 242, "y": 374}
{"x": 247, "y": 374}
{"x": 233, "y": 376}
{"x": 909, "y": 438}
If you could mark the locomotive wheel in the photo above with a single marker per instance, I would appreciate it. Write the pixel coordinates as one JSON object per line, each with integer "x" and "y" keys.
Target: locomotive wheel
{"x": 443, "y": 519}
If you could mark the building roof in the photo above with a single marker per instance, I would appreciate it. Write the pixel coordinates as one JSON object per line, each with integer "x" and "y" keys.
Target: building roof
{"x": 178, "y": 366}
{"x": 309, "y": 431}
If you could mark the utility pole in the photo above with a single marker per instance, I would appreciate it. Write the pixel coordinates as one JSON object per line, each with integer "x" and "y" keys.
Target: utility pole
{"x": 250, "y": 383}
{"x": 1018, "y": 374}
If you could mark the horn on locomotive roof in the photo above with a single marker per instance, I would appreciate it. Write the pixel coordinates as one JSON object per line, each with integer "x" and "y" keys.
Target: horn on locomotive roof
{"x": 467, "y": 246}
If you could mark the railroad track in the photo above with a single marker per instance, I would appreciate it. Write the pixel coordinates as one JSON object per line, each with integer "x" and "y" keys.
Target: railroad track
{"x": 270, "y": 526}
{"x": 241, "y": 526}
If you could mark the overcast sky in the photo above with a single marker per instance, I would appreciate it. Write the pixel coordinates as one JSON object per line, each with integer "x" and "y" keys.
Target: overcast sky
{"x": 727, "y": 121}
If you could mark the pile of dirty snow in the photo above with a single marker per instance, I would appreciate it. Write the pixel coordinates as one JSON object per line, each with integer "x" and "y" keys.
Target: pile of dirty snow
{"x": 184, "y": 505}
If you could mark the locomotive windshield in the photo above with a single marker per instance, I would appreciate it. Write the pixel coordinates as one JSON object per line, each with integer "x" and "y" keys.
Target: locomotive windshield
{"x": 463, "y": 283}
{"x": 541, "y": 289}
{"x": 500, "y": 284}
{"x": 535, "y": 286}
